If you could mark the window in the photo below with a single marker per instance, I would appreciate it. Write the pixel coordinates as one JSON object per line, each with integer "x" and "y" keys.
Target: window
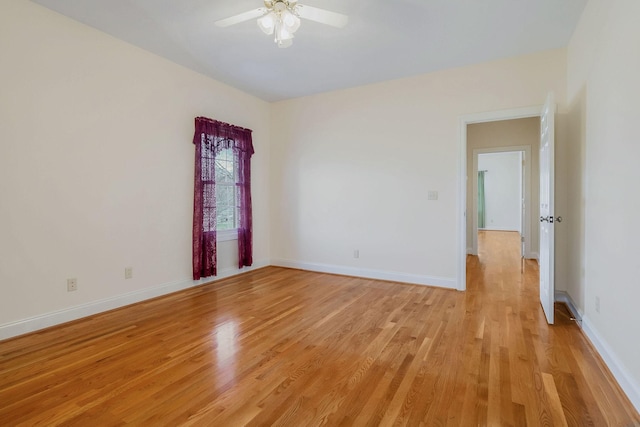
{"x": 226, "y": 197}
{"x": 223, "y": 207}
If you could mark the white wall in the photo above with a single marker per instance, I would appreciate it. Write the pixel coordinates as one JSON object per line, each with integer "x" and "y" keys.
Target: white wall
{"x": 351, "y": 169}
{"x": 604, "y": 89}
{"x": 96, "y": 165}
{"x": 503, "y": 190}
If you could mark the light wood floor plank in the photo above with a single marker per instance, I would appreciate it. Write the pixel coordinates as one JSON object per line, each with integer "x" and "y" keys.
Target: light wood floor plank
{"x": 294, "y": 348}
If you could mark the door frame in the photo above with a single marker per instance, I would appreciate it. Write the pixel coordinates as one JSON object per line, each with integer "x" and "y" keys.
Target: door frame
{"x": 528, "y": 213}
{"x": 463, "y": 121}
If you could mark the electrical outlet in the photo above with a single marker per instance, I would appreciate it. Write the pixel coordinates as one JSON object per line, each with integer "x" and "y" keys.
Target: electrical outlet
{"x": 356, "y": 253}
{"x": 72, "y": 285}
{"x": 597, "y": 304}
{"x": 432, "y": 195}
{"x": 128, "y": 273}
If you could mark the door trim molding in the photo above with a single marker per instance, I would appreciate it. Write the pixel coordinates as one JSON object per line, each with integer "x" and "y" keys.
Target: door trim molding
{"x": 463, "y": 121}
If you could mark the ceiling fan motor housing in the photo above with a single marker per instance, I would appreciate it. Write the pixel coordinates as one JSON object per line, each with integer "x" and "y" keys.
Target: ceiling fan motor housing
{"x": 280, "y": 4}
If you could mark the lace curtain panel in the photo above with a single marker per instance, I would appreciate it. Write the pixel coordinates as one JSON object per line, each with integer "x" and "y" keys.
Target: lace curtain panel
{"x": 210, "y": 138}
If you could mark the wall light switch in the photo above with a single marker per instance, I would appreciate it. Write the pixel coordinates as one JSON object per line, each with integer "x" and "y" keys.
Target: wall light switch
{"x": 432, "y": 195}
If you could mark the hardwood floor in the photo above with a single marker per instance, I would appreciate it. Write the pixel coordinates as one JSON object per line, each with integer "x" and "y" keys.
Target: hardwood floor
{"x": 287, "y": 347}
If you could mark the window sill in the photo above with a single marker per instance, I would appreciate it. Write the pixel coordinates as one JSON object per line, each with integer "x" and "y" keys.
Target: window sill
{"x": 226, "y": 235}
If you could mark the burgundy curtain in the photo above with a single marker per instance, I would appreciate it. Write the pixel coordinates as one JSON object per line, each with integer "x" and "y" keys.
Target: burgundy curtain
{"x": 210, "y": 137}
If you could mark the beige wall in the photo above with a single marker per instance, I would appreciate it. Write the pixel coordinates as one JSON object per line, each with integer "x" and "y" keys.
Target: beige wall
{"x": 506, "y": 133}
{"x": 604, "y": 89}
{"x": 96, "y": 164}
{"x": 351, "y": 169}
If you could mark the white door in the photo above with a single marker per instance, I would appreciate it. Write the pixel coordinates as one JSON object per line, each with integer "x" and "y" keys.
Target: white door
{"x": 547, "y": 129}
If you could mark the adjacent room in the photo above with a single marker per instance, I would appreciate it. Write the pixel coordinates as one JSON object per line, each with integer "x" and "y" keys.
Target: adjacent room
{"x": 410, "y": 213}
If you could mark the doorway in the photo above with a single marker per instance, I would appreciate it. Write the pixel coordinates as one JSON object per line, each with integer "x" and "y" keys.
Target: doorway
{"x": 500, "y": 203}
{"x": 503, "y": 178}
{"x": 467, "y": 180}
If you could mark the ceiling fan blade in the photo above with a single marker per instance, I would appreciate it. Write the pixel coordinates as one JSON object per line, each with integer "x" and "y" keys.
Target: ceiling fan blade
{"x": 236, "y": 19}
{"x": 323, "y": 16}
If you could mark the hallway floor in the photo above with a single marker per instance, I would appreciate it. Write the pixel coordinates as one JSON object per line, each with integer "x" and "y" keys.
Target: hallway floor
{"x": 553, "y": 370}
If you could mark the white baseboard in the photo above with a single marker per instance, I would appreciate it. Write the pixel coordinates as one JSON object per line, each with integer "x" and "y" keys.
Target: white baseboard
{"x": 622, "y": 375}
{"x": 617, "y": 368}
{"x": 24, "y": 326}
{"x": 533, "y": 255}
{"x": 619, "y": 371}
{"x": 443, "y": 282}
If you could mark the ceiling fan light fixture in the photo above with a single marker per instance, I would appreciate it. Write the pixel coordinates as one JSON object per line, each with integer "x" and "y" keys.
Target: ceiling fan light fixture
{"x": 285, "y": 22}
{"x": 291, "y": 21}
{"x": 283, "y": 33}
{"x": 267, "y": 23}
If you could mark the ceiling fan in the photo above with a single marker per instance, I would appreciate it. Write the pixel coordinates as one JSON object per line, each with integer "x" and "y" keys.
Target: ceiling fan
{"x": 282, "y": 18}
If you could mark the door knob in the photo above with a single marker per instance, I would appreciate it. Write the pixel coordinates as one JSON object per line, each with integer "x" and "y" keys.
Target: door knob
{"x": 550, "y": 219}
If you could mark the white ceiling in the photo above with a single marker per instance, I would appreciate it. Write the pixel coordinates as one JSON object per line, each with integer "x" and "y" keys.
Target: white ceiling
{"x": 384, "y": 40}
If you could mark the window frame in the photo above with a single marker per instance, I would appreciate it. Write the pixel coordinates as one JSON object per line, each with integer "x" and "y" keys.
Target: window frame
{"x": 229, "y": 234}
